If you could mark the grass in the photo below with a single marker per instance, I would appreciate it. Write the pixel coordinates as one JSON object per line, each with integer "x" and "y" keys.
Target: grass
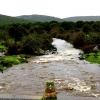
{"x": 93, "y": 57}
{"x": 2, "y": 48}
{"x": 8, "y": 61}
{"x": 15, "y": 59}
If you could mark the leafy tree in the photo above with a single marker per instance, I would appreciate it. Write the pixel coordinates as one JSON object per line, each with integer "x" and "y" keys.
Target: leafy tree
{"x": 17, "y": 32}
{"x": 96, "y": 26}
{"x": 37, "y": 29}
{"x": 52, "y": 25}
{"x": 86, "y": 28}
{"x": 53, "y": 22}
{"x": 88, "y": 40}
{"x": 46, "y": 26}
{"x": 31, "y": 44}
{"x": 26, "y": 25}
{"x": 79, "y": 24}
{"x": 95, "y": 37}
{"x": 68, "y": 25}
{"x": 77, "y": 39}
{"x": 4, "y": 35}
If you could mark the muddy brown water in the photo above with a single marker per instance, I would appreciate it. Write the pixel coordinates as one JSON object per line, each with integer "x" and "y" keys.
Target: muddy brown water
{"x": 72, "y": 77}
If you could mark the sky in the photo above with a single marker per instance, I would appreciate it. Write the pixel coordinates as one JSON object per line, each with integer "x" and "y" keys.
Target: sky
{"x": 55, "y": 8}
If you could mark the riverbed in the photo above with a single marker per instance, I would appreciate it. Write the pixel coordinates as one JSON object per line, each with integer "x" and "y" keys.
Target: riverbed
{"x": 72, "y": 77}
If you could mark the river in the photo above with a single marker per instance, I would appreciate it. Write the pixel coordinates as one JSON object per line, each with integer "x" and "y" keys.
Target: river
{"x": 72, "y": 77}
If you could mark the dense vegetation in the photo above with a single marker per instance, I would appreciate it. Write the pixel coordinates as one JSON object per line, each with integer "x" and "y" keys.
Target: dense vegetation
{"x": 35, "y": 38}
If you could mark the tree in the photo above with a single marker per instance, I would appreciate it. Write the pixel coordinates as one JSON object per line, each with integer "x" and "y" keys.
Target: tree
{"x": 16, "y": 31}
{"x": 79, "y": 24}
{"x": 96, "y": 26}
{"x": 86, "y": 28}
{"x": 68, "y": 25}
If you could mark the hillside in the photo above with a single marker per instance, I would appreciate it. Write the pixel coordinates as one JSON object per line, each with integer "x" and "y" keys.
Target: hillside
{"x": 44, "y": 18}
{"x": 41, "y": 18}
{"x": 83, "y": 18}
{"x": 8, "y": 20}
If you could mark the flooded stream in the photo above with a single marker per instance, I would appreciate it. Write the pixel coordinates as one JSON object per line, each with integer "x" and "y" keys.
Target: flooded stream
{"x": 72, "y": 77}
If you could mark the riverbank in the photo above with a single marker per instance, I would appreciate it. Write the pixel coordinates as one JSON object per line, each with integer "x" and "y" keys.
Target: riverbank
{"x": 92, "y": 57}
{"x": 8, "y": 61}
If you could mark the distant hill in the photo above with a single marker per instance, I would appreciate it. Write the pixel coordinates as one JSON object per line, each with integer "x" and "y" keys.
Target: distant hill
{"x": 83, "y": 18}
{"x": 41, "y": 18}
{"x": 44, "y": 18}
{"x": 8, "y": 20}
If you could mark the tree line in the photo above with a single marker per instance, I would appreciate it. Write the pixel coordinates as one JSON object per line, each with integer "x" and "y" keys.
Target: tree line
{"x": 36, "y": 37}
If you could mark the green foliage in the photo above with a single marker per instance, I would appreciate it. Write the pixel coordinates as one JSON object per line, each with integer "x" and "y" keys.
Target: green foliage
{"x": 79, "y": 24}
{"x": 8, "y": 61}
{"x": 68, "y": 25}
{"x": 8, "y": 42}
{"x": 14, "y": 59}
{"x": 86, "y": 28}
{"x": 35, "y": 44}
{"x": 2, "y": 48}
{"x": 17, "y": 32}
{"x": 14, "y": 48}
{"x": 95, "y": 37}
{"x": 77, "y": 39}
{"x": 88, "y": 39}
{"x": 92, "y": 57}
{"x": 31, "y": 44}
{"x": 3, "y": 35}
{"x": 35, "y": 38}
{"x": 37, "y": 29}
{"x": 96, "y": 26}
{"x": 46, "y": 26}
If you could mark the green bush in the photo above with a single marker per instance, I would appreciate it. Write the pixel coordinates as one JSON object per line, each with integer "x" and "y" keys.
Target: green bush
{"x": 14, "y": 48}
{"x": 31, "y": 43}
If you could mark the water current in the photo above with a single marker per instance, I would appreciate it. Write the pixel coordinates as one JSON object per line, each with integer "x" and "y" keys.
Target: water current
{"x": 72, "y": 77}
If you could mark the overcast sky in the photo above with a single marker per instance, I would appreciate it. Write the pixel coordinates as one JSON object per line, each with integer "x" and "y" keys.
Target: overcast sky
{"x": 56, "y": 8}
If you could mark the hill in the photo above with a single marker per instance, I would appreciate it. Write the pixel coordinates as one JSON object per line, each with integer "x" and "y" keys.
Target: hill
{"x": 41, "y": 18}
{"x": 44, "y": 18}
{"x": 8, "y": 20}
{"x": 83, "y": 18}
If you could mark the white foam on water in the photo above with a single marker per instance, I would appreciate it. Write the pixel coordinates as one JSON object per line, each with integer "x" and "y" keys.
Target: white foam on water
{"x": 65, "y": 51}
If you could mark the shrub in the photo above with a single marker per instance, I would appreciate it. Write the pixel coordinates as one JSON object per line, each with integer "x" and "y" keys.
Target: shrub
{"x": 14, "y": 49}
{"x": 31, "y": 43}
{"x": 77, "y": 39}
{"x": 88, "y": 48}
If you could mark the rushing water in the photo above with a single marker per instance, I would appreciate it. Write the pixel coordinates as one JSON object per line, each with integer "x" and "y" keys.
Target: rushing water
{"x": 71, "y": 76}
